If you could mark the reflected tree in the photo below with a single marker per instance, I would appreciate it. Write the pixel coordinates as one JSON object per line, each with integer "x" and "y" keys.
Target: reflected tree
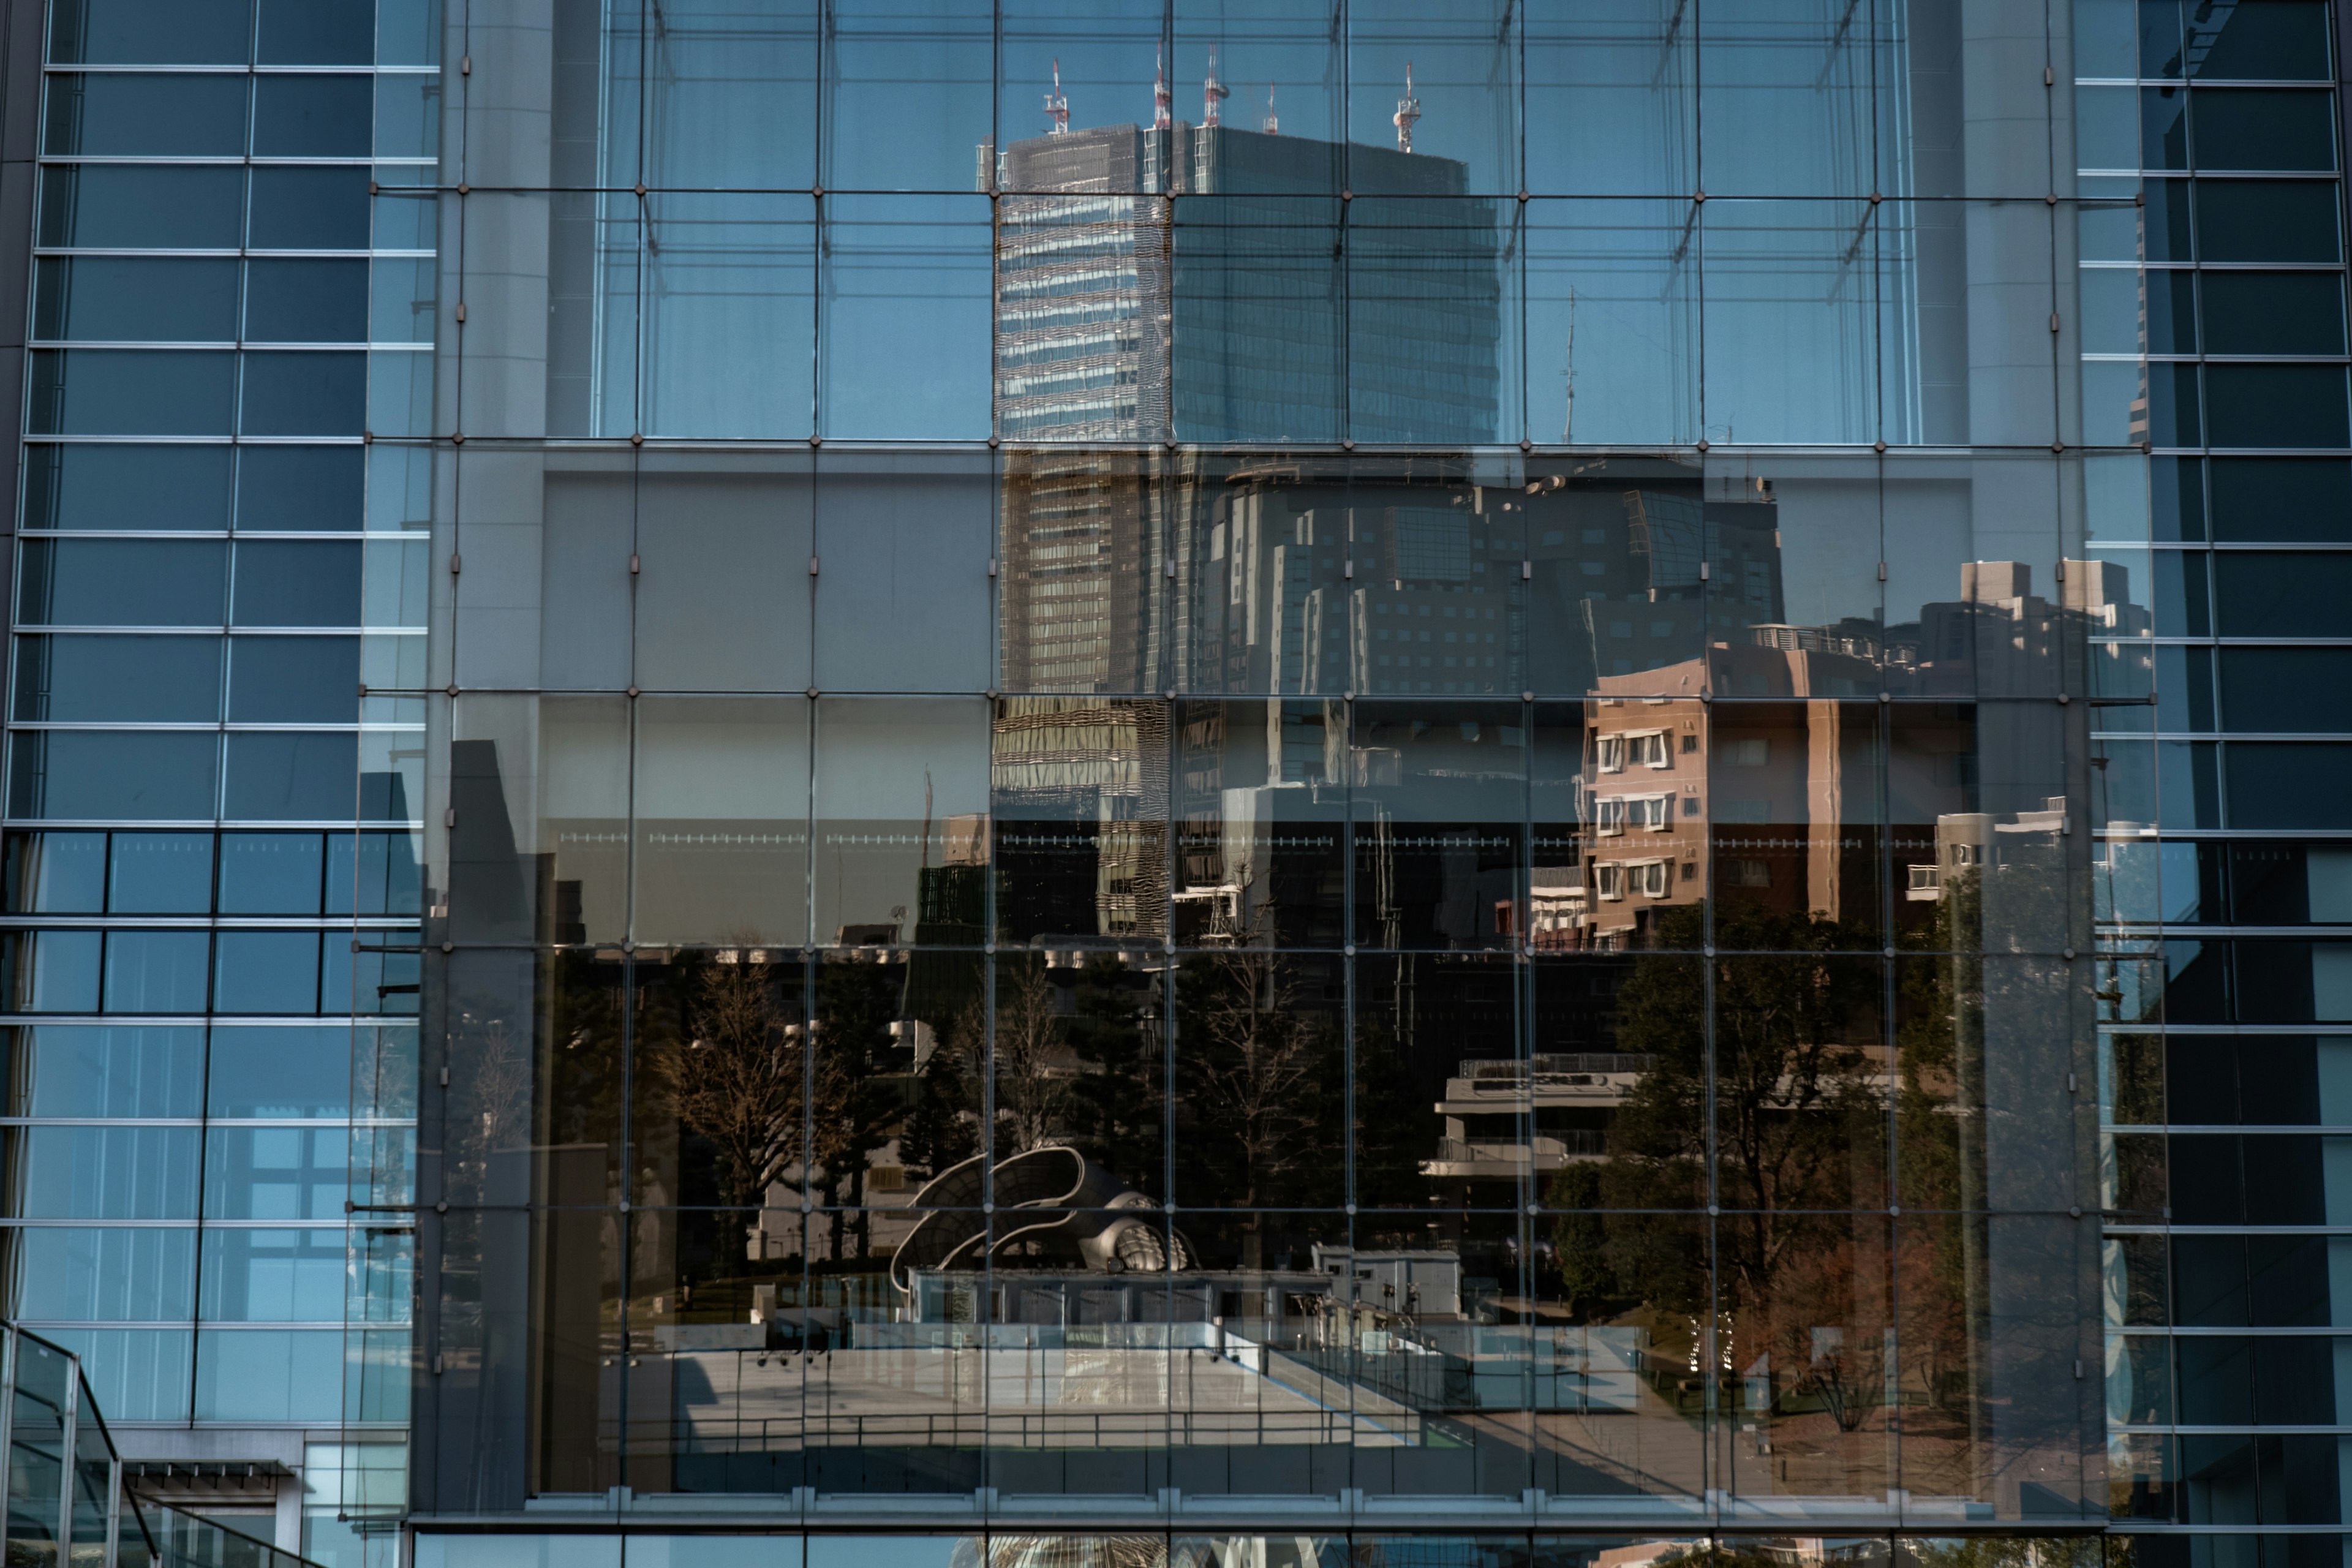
{"x": 740, "y": 1075}
{"x": 1253, "y": 1068}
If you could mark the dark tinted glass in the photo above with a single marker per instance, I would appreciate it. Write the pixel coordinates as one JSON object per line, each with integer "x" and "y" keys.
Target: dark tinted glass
{"x": 2275, "y": 406}
{"x": 2273, "y": 312}
{"x": 310, "y": 209}
{"x": 2289, "y": 784}
{"x": 372, "y": 874}
{"x": 285, "y": 1071}
{"x": 270, "y": 873}
{"x": 312, "y": 116}
{"x": 160, "y": 874}
{"x": 62, "y": 1070}
{"x": 57, "y": 873}
{"x": 2280, "y": 594}
{"x": 2267, "y": 220}
{"x": 2177, "y": 498}
{"x": 118, "y": 679}
{"x": 301, "y": 487}
{"x": 305, "y": 393}
{"x": 287, "y": 583}
{"x": 2163, "y": 227}
{"x": 2258, "y": 498}
{"x": 274, "y": 777}
{"x": 132, "y": 392}
{"x": 157, "y": 971}
{"x": 2287, "y": 690}
{"x": 123, "y": 486}
{"x": 317, "y": 33}
{"x": 2250, "y": 128}
{"x": 2163, "y": 128}
{"x": 293, "y": 681}
{"x": 266, "y": 971}
{"x": 152, "y": 776}
{"x": 135, "y": 298}
{"x": 122, "y": 582}
{"x": 189, "y": 208}
{"x": 151, "y": 32}
{"x": 2261, "y": 40}
{"x": 104, "y": 115}
{"x": 306, "y": 301}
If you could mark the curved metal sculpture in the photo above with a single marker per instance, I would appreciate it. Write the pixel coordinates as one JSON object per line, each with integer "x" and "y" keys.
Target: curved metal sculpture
{"x": 1054, "y": 1208}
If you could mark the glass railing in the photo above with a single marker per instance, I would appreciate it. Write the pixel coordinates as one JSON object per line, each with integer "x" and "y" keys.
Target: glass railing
{"x": 63, "y": 1480}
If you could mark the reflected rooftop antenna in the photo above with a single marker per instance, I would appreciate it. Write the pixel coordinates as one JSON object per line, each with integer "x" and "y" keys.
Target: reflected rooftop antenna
{"x": 1056, "y": 106}
{"x": 1408, "y": 112}
{"x": 1212, "y": 93}
{"x": 1273, "y": 121}
{"x": 1163, "y": 99}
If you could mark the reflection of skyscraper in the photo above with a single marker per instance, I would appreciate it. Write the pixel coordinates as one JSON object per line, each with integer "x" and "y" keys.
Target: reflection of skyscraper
{"x": 1208, "y": 284}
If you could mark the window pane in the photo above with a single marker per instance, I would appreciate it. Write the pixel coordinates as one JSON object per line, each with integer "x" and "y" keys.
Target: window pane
{"x": 123, "y": 1273}
{"x": 57, "y": 873}
{"x": 152, "y": 32}
{"x": 311, "y": 488}
{"x": 156, "y": 971}
{"x": 179, "y": 116}
{"x": 900, "y": 837}
{"x": 125, "y": 487}
{"x": 310, "y": 209}
{"x": 102, "y": 1173}
{"x": 269, "y": 1375}
{"x": 721, "y": 810}
{"x": 906, "y": 94}
{"x": 268, "y": 972}
{"x": 722, "y": 600}
{"x": 118, "y": 679}
{"x": 287, "y": 1071}
{"x": 133, "y": 775}
{"x": 132, "y": 392}
{"x": 136, "y": 208}
{"x": 276, "y": 1172}
{"x": 270, "y": 873}
{"x": 135, "y": 299}
{"x": 730, "y": 315}
{"x": 312, "y": 116}
{"x": 903, "y": 601}
{"x": 293, "y": 681}
{"x": 77, "y": 581}
{"x": 906, "y": 279}
{"x": 161, "y": 874}
{"x": 292, "y": 778}
{"x": 306, "y": 301}
{"x": 317, "y": 33}
{"x": 59, "y": 1069}
{"x": 314, "y": 583}
{"x": 305, "y": 393}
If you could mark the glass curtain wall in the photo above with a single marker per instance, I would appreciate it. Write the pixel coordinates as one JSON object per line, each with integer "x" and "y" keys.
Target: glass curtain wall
{"x": 2212, "y": 301}
{"x": 215, "y": 737}
{"x": 1616, "y": 1044}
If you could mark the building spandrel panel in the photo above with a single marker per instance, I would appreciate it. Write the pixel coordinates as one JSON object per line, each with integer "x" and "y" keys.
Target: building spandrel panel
{"x": 907, "y": 600}
{"x": 719, "y": 803}
{"x": 725, "y": 588}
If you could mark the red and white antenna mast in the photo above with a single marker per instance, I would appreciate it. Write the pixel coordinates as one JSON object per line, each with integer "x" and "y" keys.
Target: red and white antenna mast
{"x": 1212, "y": 93}
{"x": 1408, "y": 112}
{"x": 1273, "y": 121}
{"x": 1163, "y": 101}
{"x": 1057, "y": 108}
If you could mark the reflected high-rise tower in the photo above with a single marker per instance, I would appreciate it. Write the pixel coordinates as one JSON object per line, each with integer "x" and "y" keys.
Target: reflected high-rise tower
{"x": 1206, "y": 284}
